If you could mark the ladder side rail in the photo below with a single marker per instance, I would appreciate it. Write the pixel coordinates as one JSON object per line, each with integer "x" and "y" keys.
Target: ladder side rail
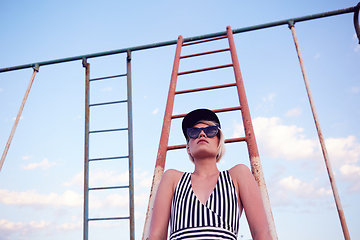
{"x": 164, "y": 138}
{"x": 249, "y": 133}
{"x": 86, "y": 65}
{"x": 131, "y": 151}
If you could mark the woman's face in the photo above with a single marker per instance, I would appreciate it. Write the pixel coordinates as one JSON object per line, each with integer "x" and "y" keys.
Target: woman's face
{"x": 203, "y": 146}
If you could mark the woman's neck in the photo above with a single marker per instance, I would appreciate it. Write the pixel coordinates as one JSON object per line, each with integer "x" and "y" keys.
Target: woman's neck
{"x": 205, "y": 167}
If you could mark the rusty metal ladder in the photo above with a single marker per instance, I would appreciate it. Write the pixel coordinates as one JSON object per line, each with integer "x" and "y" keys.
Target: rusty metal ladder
{"x": 87, "y": 160}
{"x": 244, "y": 108}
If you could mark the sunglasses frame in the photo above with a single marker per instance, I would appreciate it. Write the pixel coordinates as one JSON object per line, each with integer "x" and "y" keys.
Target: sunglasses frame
{"x": 204, "y": 129}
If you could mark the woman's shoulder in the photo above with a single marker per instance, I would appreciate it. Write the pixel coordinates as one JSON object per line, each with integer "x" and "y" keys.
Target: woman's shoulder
{"x": 240, "y": 172}
{"x": 239, "y": 168}
{"x": 172, "y": 176}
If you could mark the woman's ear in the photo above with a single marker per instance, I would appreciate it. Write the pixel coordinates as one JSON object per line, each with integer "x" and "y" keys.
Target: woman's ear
{"x": 188, "y": 148}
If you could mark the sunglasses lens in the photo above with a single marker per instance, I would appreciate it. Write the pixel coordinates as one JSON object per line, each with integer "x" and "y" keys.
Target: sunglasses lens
{"x": 193, "y": 132}
{"x": 210, "y": 131}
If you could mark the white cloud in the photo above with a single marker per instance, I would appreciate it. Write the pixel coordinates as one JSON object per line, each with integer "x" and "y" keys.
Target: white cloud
{"x": 69, "y": 226}
{"x": 26, "y": 157}
{"x": 351, "y": 173}
{"x": 14, "y": 118}
{"x": 100, "y": 177}
{"x": 293, "y": 112}
{"x": 107, "y": 89}
{"x": 303, "y": 189}
{"x": 44, "y": 164}
{"x": 317, "y": 56}
{"x": 1, "y": 89}
{"x": 355, "y": 89}
{"x": 78, "y": 179}
{"x": 105, "y": 177}
{"x": 288, "y": 142}
{"x": 343, "y": 150}
{"x": 38, "y": 201}
{"x": 281, "y": 141}
{"x": 8, "y": 228}
{"x": 77, "y": 117}
{"x": 269, "y": 98}
{"x": 155, "y": 111}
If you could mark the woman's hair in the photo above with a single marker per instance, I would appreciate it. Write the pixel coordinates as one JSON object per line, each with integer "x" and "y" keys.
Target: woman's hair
{"x": 220, "y": 135}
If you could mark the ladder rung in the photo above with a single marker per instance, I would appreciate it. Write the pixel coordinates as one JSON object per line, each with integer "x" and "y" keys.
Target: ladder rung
{"x": 109, "y": 130}
{"x": 230, "y": 140}
{"x": 103, "y": 78}
{"x": 108, "y": 218}
{"x": 107, "y": 103}
{"x": 206, "y": 69}
{"x": 108, "y": 158}
{"x": 206, "y": 88}
{"x": 204, "y": 53}
{"x": 202, "y": 41}
{"x": 215, "y": 111}
{"x": 106, "y": 188}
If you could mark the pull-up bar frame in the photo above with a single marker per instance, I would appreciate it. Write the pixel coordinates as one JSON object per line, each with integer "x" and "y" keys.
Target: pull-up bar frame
{"x": 354, "y": 9}
{"x": 289, "y": 22}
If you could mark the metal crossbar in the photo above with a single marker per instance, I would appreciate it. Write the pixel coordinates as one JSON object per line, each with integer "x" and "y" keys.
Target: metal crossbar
{"x": 354, "y": 9}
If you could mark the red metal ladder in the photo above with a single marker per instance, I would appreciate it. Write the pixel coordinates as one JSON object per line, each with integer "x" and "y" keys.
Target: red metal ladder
{"x": 244, "y": 108}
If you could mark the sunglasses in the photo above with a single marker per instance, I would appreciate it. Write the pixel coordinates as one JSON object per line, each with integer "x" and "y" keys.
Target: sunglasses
{"x": 210, "y": 131}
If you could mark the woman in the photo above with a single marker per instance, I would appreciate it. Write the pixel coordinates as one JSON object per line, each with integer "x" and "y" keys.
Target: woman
{"x": 207, "y": 203}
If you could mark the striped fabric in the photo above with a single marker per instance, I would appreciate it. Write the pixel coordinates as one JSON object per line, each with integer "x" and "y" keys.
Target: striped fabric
{"x": 217, "y": 219}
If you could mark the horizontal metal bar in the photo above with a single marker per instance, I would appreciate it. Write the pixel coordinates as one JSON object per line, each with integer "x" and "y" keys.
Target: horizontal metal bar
{"x": 206, "y": 88}
{"x": 206, "y": 69}
{"x": 215, "y": 111}
{"x": 107, "y": 103}
{"x": 109, "y": 130}
{"x": 109, "y": 218}
{"x": 202, "y": 41}
{"x": 103, "y": 78}
{"x": 205, "y": 53}
{"x": 106, "y": 188}
{"x": 172, "y": 42}
{"x": 230, "y": 140}
{"x": 108, "y": 158}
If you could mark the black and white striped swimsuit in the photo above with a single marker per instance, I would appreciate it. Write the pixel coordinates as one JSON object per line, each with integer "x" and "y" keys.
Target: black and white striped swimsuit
{"x": 217, "y": 219}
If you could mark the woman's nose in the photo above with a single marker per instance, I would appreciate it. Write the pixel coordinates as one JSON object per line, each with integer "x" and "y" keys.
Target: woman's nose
{"x": 202, "y": 134}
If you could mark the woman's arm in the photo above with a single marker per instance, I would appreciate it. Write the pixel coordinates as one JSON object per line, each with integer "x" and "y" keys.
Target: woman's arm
{"x": 249, "y": 194}
{"x": 162, "y": 205}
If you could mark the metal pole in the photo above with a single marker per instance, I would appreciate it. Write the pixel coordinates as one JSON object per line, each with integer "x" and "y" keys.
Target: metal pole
{"x": 86, "y": 65}
{"x": 7, "y": 146}
{"x": 131, "y": 151}
{"x": 250, "y": 137}
{"x": 161, "y": 156}
{"x": 321, "y": 138}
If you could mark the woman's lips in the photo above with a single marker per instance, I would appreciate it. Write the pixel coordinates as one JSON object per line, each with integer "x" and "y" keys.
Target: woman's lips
{"x": 202, "y": 140}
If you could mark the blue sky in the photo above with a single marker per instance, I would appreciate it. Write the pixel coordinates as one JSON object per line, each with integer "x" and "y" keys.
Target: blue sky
{"x": 41, "y": 183}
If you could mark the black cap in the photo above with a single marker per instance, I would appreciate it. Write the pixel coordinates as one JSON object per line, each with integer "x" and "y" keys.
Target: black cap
{"x": 195, "y": 116}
